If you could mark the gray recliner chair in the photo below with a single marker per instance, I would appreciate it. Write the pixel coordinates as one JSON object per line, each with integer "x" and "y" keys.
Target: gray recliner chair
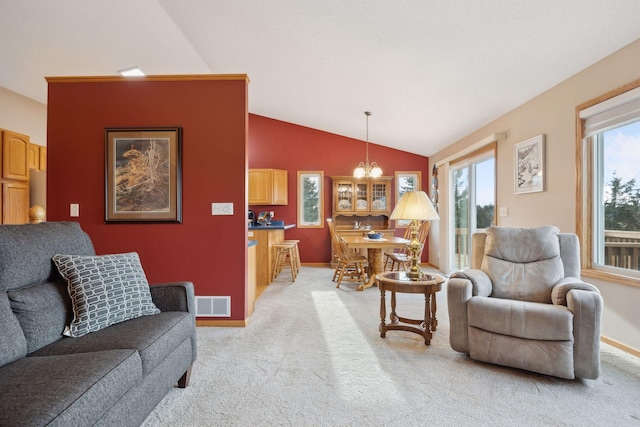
{"x": 522, "y": 304}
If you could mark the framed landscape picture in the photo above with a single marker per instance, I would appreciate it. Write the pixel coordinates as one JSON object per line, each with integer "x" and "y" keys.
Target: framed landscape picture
{"x": 529, "y": 165}
{"x": 143, "y": 175}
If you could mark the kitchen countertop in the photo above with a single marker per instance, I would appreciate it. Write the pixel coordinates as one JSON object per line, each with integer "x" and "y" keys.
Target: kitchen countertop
{"x": 275, "y": 225}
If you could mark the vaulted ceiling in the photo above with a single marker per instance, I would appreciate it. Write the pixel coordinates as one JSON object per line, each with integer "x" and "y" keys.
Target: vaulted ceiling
{"x": 431, "y": 71}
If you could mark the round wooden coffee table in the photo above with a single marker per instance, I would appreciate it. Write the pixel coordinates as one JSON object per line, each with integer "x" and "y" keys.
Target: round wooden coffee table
{"x": 397, "y": 281}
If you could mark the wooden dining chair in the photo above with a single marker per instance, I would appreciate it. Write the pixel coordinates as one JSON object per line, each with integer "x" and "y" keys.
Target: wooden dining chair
{"x": 351, "y": 266}
{"x": 402, "y": 260}
{"x": 388, "y": 262}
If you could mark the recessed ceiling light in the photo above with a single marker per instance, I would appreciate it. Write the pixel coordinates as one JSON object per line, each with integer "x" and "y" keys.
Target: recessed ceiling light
{"x": 132, "y": 72}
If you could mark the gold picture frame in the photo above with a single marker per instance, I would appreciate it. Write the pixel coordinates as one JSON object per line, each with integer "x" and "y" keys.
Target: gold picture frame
{"x": 143, "y": 181}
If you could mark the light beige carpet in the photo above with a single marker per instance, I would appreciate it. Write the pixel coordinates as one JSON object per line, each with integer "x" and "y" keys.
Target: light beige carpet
{"x": 312, "y": 356}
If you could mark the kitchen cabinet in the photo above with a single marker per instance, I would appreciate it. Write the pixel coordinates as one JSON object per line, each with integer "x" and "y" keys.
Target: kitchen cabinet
{"x": 33, "y": 157}
{"x": 37, "y": 157}
{"x": 42, "y": 164}
{"x": 268, "y": 187}
{"x": 14, "y": 156}
{"x": 14, "y": 177}
{"x": 15, "y": 202}
{"x": 264, "y": 252}
{"x": 251, "y": 279}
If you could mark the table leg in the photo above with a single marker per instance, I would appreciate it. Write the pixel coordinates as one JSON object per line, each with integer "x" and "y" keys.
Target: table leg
{"x": 426, "y": 324}
{"x": 393, "y": 317}
{"x": 375, "y": 266}
{"x": 383, "y": 314}
{"x": 433, "y": 321}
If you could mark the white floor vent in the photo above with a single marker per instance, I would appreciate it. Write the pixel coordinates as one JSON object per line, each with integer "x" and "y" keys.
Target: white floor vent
{"x": 213, "y": 306}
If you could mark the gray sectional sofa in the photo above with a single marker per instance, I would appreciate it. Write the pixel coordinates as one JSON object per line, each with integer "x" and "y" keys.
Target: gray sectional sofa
{"x": 112, "y": 376}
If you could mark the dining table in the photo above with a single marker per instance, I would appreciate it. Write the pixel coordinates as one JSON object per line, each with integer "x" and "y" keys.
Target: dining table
{"x": 374, "y": 253}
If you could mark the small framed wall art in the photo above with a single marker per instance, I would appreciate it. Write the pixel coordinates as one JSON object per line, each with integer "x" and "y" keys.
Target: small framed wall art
{"x": 529, "y": 165}
{"x": 143, "y": 175}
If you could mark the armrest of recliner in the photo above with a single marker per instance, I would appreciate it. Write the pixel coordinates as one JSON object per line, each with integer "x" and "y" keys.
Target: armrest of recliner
{"x": 563, "y": 286}
{"x": 461, "y": 287}
{"x": 586, "y": 307}
{"x": 480, "y": 282}
{"x": 176, "y": 296}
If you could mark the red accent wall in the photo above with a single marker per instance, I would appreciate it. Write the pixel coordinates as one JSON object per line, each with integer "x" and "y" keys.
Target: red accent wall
{"x": 210, "y": 251}
{"x": 280, "y": 145}
{"x": 219, "y": 140}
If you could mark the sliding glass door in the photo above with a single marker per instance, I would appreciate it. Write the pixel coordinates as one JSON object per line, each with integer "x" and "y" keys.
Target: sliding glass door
{"x": 473, "y": 203}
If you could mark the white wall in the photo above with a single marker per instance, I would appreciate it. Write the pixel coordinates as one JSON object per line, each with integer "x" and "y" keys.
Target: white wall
{"x": 552, "y": 114}
{"x": 23, "y": 115}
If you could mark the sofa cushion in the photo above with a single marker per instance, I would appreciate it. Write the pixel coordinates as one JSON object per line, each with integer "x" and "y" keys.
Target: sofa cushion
{"x": 522, "y": 245}
{"x": 523, "y": 263}
{"x": 104, "y": 290}
{"x": 66, "y": 390}
{"x": 522, "y": 319}
{"x": 13, "y": 344}
{"x": 531, "y": 281}
{"x": 26, "y": 251}
{"x": 546, "y": 357}
{"x": 153, "y": 336}
{"x": 43, "y": 310}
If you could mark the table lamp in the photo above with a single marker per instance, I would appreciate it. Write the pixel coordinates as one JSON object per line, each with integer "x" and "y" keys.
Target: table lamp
{"x": 414, "y": 206}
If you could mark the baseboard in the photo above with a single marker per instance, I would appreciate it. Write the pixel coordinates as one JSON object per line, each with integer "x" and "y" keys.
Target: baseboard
{"x": 429, "y": 265}
{"x": 224, "y": 323}
{"x": 620, "y": 346}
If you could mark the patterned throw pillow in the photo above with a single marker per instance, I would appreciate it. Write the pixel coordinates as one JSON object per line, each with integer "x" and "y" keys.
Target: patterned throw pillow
{"x": 104, "y": 290}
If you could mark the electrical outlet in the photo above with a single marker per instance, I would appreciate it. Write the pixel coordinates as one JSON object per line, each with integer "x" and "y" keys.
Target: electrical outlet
{"x": 74, "y": 210}
{"x": 271, "y": 213}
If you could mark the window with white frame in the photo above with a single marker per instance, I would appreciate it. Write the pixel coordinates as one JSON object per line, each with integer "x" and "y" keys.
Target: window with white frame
{"x": 609, "y": 179}
{"x": 310, "y": 199}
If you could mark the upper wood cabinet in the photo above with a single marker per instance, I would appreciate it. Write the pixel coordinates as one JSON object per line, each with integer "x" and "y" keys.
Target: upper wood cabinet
{"x": 15, "y": 148}
{"x": 14, "y": 177}
{"x": 268, "y": 187}
{"x": 42, "y": 163}
{"x": 33, "y": 157}
{"x": 361, "y": 196}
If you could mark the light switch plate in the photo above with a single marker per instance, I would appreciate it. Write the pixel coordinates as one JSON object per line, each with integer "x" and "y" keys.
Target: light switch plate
{"x": 221, "y": 208}
{"x": 504, "y": 211}
{"x": 74, "y": 210}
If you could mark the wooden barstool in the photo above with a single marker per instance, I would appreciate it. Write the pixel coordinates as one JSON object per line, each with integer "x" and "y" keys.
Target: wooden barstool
{"x": 284, "y": 256}
{"x": 296, "y": 252}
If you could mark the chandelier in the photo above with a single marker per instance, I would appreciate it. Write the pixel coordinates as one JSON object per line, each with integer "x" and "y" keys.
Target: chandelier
{"x": 367, "y": 170}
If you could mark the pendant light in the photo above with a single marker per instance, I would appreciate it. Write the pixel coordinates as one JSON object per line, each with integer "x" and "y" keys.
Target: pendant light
{"x": 367, "y": 170}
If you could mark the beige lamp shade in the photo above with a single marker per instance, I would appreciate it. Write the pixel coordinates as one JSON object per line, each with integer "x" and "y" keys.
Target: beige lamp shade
{"x": 415, "y": 205}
